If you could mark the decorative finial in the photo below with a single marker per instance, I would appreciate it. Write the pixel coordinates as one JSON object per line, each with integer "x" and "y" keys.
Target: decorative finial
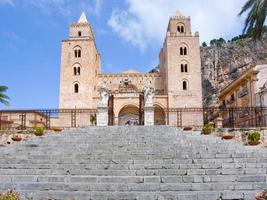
{"x": 178, "y": 13}
{"x": 83, "y": 18}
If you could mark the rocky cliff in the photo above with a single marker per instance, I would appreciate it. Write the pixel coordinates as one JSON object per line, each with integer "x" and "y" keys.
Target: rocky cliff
{"x": 221, "y": 61}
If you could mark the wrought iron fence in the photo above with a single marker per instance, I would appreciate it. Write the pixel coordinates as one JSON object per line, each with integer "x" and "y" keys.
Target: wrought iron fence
{"x": 237, "y": 117}
{"x": 47, "y": 118}
{"x": 234, "y": 117}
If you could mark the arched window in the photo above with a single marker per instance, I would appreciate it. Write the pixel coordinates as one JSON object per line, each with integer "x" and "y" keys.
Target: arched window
{"x": 185, "y": 51}
{"x": 181, "y": 51}
{"x": 185, "y": 68}
{"x": 181, "y": 28}
{"x": 182, "y": 67}
{"x": 185, "y": 85}
{"x": 76, "y": 70}
{"x": 77, "y": 52}
{"x": 79, "y": 33}
{"x": 76, "y": 88}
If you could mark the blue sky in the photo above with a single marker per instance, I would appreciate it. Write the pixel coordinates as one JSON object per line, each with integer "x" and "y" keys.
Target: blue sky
{"x": 129, "y": 34}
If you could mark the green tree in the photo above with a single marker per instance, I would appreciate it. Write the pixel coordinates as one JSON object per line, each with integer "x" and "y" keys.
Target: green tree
{"x": 3, "y": 97}
{"x": 204, "y": 44}
{"x": 254, "y": 24}
{"x": 213, "y": 42}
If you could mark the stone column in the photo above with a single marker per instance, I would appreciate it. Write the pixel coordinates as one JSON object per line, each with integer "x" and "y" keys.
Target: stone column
{"x": 149, "y": 115}
{"x": 102, "y": 116}
{"x": 102, "y": 109}
{"x": 148, "y": 107}
{"x": 264, "y": 136}
{"x": 219, "y": 122}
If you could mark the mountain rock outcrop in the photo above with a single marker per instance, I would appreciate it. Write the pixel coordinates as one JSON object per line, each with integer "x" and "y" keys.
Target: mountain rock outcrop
{"x": 221, "y": 62}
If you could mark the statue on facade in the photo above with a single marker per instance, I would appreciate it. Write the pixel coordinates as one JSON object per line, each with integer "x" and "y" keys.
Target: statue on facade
{"x": 103, "y": 95}
{"x": 148, "y": 95}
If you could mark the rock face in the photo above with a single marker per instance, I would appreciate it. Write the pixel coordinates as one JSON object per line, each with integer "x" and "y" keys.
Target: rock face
{"x": 221, "y": 62}
{"x": 127, "y": 163}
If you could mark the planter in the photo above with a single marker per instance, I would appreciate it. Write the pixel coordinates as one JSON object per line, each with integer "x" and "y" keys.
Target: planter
{"x": 56, "y": 129}
{"x": 39, "y": 134}
{"x": 188, "y": 128}
{"x": 39, "y": 131}
{"x": 16, "y": 138}
{"x": 206, "y": 133}
{"x": 228, "y": 137}
{"x": 253, "y": 143}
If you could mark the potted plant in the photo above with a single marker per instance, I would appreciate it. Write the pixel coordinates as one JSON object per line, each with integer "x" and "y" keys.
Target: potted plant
{"x": 39, "y": 131}
{"x": 207, "y": 129}
{"x": 188, "y": 128}
{"x": 262, "y": 195}
{"x": 57, "y": 129}
{"x": 16, "y": 137}
{"x": 254, "y": 137}
{"x": 228, "y": 135}
{"x": 9, "y": 195}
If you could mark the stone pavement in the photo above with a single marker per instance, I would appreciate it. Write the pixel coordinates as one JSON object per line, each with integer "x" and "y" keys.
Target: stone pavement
{"x": 132, "y": 163}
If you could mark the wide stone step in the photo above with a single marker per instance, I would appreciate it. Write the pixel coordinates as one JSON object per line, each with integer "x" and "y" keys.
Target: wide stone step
{"x": 174, "y": 179}
{"x": 137, "y": 195}
{"x": 124, "y": 187}
{"x": 158, "y": 163}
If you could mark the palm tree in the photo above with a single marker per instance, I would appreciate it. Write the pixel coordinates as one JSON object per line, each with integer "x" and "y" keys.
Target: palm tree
{"x": 257, "y": 10}
{"x": 3, "y": 98}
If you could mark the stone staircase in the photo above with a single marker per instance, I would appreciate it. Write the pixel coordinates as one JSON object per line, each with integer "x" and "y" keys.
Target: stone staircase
{"x": 132, "y": 163}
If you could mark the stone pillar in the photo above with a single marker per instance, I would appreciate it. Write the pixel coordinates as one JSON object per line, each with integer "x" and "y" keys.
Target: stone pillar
{"x": 102, "y": 116}
{"x": 148, "y": 108}
{"x": 264, "y": 136}
{"x": 219, "y": 122}
{"x": 149, "y": 115}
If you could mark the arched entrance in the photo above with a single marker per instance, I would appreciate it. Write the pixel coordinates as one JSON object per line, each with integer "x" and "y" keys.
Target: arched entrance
{"x": 128, "y": 115}
{"x": 159, "y": 115}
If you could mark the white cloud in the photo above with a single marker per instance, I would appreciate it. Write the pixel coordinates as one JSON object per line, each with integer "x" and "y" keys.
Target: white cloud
{"x": 145, "y": 22}
{"x": 50, "y": 6}
{"x": 64, "y": 7}
{"x": 9, "y": 2}
{"x": 94, "y": 8}
{"x": 97, "y": 6}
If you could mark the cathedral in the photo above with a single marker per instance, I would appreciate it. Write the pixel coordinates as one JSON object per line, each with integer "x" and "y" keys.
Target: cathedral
{"x": 176, "y": 84}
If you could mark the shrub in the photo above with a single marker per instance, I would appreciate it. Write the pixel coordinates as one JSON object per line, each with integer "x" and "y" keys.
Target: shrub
{"x": 39, "y": 130}
{"x": 207, "y": 129}
{"x": 254, "y": 136}
{"x": 9, "y": 195}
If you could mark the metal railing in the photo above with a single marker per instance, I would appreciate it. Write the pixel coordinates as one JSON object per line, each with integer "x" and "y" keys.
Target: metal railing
{"x": 231, "y": 117}
{"x": 47, "y": 118}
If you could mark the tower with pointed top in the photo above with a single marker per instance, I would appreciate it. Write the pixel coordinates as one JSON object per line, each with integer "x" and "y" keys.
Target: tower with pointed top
{"x": 180, "y": 64}
{"x": 80, "y": 64}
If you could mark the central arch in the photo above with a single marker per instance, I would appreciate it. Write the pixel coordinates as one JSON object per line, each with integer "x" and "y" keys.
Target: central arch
{"x": 128, "y": 115}
{"x": 159, "y": 115}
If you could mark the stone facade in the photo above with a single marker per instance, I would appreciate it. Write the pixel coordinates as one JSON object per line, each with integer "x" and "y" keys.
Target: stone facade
{"x": 176, "y": 85}
{"x": 16, "y": 119}
{"x": 247, "y": 90}
{"x": 245, "y": 93}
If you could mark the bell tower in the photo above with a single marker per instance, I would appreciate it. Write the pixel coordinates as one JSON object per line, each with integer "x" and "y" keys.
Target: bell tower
{"x": 180, "y": 64}
{"x": 80, "y": 65}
